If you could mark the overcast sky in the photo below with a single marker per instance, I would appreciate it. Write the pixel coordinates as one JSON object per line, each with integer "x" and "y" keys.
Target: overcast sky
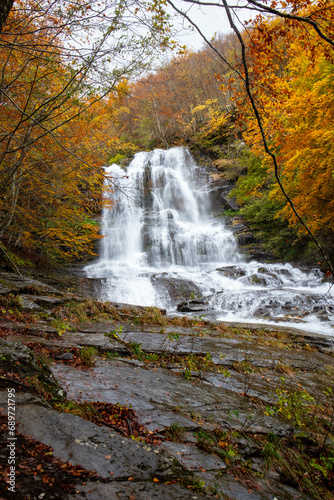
{"x": 210, "y": 20}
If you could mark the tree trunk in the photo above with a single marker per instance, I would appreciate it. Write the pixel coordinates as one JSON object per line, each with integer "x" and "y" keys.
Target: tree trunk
{"x": 10, "y": 264}
{"x": 5, "y": 7}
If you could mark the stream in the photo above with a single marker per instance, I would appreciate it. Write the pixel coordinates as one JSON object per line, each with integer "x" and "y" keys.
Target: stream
{"x": 162, "y": 246}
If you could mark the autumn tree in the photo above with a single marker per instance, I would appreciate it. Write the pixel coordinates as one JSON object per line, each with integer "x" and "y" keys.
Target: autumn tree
{"x": 59, "y": 60}
{"x": 168, "y": 107}
{"x": 290, "y": 75}
{"x": 311, "y": 21}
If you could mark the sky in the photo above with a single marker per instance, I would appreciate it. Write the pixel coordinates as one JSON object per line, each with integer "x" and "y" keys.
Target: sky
{"x": 210, "y": 20}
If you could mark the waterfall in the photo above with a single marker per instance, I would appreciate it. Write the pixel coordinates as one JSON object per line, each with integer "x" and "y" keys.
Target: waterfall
{"x": 162, "y": 245}
{"x": 162, "y": 214}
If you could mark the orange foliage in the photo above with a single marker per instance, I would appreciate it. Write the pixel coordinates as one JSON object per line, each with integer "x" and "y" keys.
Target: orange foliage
{"x": 291, "y": 71}
{"x": 54, "y": 140}
{"x": 165, "y": 108}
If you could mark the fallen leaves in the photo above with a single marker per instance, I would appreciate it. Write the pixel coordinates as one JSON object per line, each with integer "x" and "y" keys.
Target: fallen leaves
{"x": 36, "y": 461}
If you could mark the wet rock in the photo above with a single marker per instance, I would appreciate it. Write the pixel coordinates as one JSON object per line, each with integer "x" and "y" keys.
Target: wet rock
{"x": 15, "y": 284}
{"x": 138, "y": 490}
{"x": 71, "y": 279}
{"x": 285, "y": 272}
{"x": 192, "y": 306}
{"x": 327, "y": 350}
{"x": 219, "y": 195}
{"x": 94, "y": 447}
{"x": 114, "y": 381}
{"x": 193, "y": 458}
{"x": 98, "y": 340}
{"x": 255, "y": 251}
{"x": 177, "y": 289}
{"x": 231, "y": 271}
{"x": 323, "y": 316}
{"x": 262, "y": 312}
{"x": 15, "y": 353}
{"x": 224, "y": 351}
{"x": 18, "y": 359}
{"x": 50, "y": 302}
{"x": 227, "y": 486}
{"x": 28, "y": 304}
{"x": 25, "y": 398}
{"x": 30, "y": 329}
{"x": 245, "y": 238}
{"x": 241, "y": 231}
{"x": 65, "y": 356}
{"x": 255, "y": 279}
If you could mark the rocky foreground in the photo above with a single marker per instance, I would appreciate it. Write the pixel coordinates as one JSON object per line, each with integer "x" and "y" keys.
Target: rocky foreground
{"x": 121, "y": 402}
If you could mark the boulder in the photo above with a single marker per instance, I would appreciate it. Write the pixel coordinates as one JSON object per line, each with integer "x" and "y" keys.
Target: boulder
{"x": 192, "y": 306}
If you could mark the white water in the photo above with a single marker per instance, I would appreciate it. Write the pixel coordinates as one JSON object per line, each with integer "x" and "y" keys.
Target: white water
{"x": 160, "y": 237}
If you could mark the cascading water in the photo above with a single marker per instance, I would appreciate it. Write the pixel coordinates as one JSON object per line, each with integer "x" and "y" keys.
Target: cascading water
{"x": 162, "y": 246}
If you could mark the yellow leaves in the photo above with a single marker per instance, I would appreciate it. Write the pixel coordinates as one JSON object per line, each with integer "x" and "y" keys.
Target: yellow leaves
{"x": 214, "y": 116}
{"x": 295, "y": 96}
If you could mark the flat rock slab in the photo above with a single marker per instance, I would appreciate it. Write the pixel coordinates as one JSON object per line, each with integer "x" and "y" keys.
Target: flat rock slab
{"x": 94, "y": 447}
{"x": 223, "y": 351}
{"x": 264, "y": 385}
{"x": 229, "y": 487}
{"x": 29, "y": 328}
{"x": 156, "y": 394}
{"x": 137, "y": 491}
{"x": 45, "y": 341}
{"x": 98, "y": 340}
{"x": 13, "y": 283}
{"x": 22, "y": 398}
{"x": 192, "y": 458}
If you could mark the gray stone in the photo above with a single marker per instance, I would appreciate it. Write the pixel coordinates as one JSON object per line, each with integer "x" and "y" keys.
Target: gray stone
{"x": 114, "y": 381}
{"x": 176, "y": 288}
{"x": 138, "y": 490}
{"x": 28, "y": 304}
{"x": 65, "y": 356}
{"x": 224, "y": 351}
{"x": 231, "y": 271}
{"x": 192, "y": 306}
{"x": 94, "y": 447}
{"x": 12, "y": 353}
{"x": 49, "y": 302}
{"x": 13, "y": 283}
{"x": 24, "y": 398}
{"x": 17, "y": 358}
{"x": 192, "y": 458}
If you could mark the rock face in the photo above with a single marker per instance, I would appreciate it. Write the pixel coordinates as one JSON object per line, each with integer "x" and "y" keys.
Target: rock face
{"x": 213, "y": 401}
{"x": 192, "y": 306}
{"x": 137, "y": 490}
{"x": 83, "y": 443}
{"x": 219, "y": 191}
{"x": 15, "y": 284}
{"x": 176, "y": 289}
{"x": 21, "y": 363}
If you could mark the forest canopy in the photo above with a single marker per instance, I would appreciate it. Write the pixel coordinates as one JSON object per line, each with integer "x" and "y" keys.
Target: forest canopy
{"x": 258, "y": 100}
{"x": 62, "y": 82}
